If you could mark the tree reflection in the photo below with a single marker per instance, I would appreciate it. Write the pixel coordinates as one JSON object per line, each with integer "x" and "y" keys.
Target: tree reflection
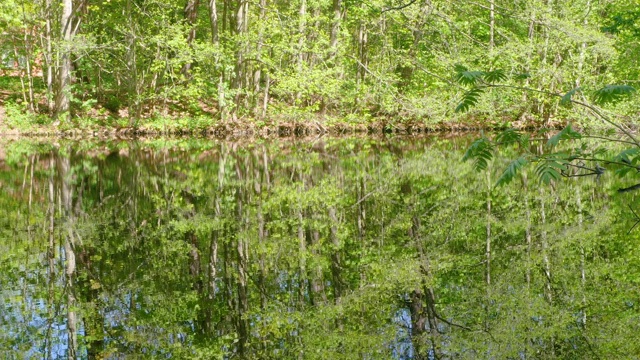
{"x": 341, "y": 249}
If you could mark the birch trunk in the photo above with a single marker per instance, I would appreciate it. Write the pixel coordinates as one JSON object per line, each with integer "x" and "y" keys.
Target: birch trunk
{"x": 64, "y": 72}
{"x": 48, "y": 55}
{"x": 492, "y": 24}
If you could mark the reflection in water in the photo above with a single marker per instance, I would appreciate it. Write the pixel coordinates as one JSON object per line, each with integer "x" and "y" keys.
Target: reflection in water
{"x": 335, "y": 249}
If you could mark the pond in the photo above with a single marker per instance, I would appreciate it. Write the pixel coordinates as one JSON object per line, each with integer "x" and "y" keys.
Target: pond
{"x": 320, "y": 248}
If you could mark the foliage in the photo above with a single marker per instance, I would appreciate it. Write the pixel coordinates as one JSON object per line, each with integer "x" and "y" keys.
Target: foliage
{"x": 612, "y": 93}
{"x": 481, "y": 152}
{"x": 293, "y": 58}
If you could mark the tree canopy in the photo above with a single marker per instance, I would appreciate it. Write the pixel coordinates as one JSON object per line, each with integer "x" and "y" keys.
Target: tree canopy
{"x": 383, "y": 59}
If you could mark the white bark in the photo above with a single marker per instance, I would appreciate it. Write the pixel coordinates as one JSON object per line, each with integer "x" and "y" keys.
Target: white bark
{"x": 64, "y": 72}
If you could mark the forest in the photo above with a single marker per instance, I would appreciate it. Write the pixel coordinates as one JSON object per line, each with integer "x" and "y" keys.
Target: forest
{"x": 194, "y": 64}
{"x": 122, "y": 239}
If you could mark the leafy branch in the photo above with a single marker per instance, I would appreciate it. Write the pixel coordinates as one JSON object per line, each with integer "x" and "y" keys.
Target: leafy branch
{"x": 552, "y": 165}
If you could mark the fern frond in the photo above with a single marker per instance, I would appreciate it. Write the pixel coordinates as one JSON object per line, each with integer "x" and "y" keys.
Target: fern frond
{"x": 469, "y": 99}
{"x": 612, "y": 93}
{"x": 511, "y": 171}
{"x": 565, "y": 134}
{"x": 481, "y": 152}
{"x": 495, "y": 76}
{"x": 566, "y": 99}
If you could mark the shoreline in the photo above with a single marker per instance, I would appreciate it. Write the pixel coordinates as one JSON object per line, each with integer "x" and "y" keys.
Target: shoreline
{"x": 248, "y": 129}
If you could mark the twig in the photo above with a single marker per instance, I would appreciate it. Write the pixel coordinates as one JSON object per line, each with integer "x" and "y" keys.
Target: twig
{"x": 637, "y": 217}
{"x": 398, "y": 7}
{"x": 595, "y": 110}
{"x": 630, "y": 188}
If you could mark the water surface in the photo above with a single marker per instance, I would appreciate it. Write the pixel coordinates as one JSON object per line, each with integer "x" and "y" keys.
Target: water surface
{"x": 387, "y": 248}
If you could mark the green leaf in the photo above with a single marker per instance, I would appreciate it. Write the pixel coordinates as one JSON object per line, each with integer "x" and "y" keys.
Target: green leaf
{"x": 466, "y": 77}
{"x": 511, "y": 171}
{"x": 481, "y": 152}
{"x": 524, "y": 142}
{"x": 612, "y": 94}
{"x": 549, "y": 170}
{"x": 566, "y": 99}
{"x": 627, "y": 155}
{"x": 630, "y": 158}
{"x": 508, "y": 137}
{"x": 495, "y": 76}
{"x": 459, "y": 68}
{"x": 522, "y": 76}
{"x": 469, "y": 99}
{"x": 565, "y": 134}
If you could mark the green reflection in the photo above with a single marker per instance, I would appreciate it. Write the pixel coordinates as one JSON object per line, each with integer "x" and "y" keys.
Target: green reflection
{"x": 325, "y": 249}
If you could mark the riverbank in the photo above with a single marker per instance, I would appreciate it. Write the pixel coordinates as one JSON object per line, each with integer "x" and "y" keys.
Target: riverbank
{"x": 17, "y": 123}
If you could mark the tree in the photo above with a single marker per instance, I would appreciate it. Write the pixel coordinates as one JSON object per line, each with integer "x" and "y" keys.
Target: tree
{"x": 68, "y": 28}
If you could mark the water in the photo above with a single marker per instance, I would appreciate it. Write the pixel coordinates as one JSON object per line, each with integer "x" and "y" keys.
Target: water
{"x": 309, "y": 249}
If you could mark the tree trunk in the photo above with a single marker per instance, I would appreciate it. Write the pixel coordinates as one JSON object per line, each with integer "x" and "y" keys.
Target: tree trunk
{"x": 257, "y": 74}
{"x": 48, "y": 55}
{"x": 240, "y": 30}
{"x": 27, "y": 47}
{"x": 213, "y": 22}
{"x": 529, "y": 55}
{"x": 362, "y": 52}
{"x": 191, "y": 15}
{"x": 335, "y": 28}
{"x": 492, "y": 23}
{"x": 64, "y": 71}
{"x": 302, "y": 33}
{"x": 215, "y": 40}
{"x": 302, "y": 30}
{"x": 583, "y": 47}
{"x": 544, "y": 109}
